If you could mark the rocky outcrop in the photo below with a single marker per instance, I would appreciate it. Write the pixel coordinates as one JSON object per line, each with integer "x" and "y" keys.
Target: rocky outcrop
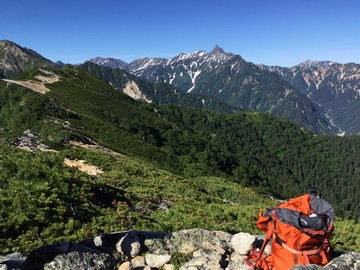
{"x": 347, "y": 261}
{"x": 185, "y": 250}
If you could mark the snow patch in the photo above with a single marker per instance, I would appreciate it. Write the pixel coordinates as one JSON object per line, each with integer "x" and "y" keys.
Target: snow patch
{"x": 193, "y": 76}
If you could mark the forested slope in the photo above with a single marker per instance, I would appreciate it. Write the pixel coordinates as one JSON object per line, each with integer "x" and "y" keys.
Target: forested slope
{"x": 172, "y": 154}
{"x": 257, "y": 150}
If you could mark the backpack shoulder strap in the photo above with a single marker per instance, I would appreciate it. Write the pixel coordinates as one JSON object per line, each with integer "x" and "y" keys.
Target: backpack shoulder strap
{"x": 269, "y": 234}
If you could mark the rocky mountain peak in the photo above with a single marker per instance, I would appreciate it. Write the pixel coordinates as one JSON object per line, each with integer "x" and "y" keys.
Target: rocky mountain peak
{"x": 217, "y": 50}
{"x": 320, "y": 64}
{"x": 16, "y": 60}
{"x": 109, "y": 62}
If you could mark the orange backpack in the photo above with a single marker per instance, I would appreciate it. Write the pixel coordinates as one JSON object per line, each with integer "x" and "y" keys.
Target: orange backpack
{"x": 300, "y": 230}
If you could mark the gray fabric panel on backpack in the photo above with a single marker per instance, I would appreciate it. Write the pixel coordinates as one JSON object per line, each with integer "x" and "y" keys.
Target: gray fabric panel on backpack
{"x": 288, "y": 216}
{"x": 321, "y": 207}
{"x": 300, "y": 222}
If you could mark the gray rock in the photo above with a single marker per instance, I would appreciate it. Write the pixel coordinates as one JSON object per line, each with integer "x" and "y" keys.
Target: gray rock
{"x": 237, "y": 262}
{"x": 168, "y": 266}
{"x": 156, "y": 246}
{"x": 204, "y": 259}
{"x": 307, "y": 267}
{"x": 68, "y": 256}
{"x": 242, "y": 243}
{"x": 156, "y": 261}
{"x": 210, "y": 254}
{"x": 347, "y": 261}
{"x": 207, "y": 249}
{"x": 138, "y": 261}
{"x": 126, "y": 266}
{"x": 14, "y": 261}
{"x": 187, "y": 241}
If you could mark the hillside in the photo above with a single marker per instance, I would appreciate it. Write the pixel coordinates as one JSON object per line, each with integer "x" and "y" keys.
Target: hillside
{"x": 61, "y": 203}
{"x": 234, "y": 81}
{"x": 159, "y": 93}
{"x": 335, "y": 87}
{"x": 256, "y": 150}
{"x": 15, "y": 60}
{"x": 205, "y": 168}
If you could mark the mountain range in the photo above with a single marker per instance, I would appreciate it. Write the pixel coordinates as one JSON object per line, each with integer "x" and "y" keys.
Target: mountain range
{"x": 194, "y": 160}
{"x": 320, "y": 96}
{"x": 333, "y": 86}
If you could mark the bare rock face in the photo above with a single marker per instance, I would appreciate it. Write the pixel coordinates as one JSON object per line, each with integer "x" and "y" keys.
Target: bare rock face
{"x": 126, "y": 250}
{"x": 17, "y": 60}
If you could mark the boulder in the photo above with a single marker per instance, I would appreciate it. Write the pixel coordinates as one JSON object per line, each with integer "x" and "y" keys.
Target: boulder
{"x": 156, "y": 261}
{"x": 14, "y": 261}
{"x": 126, "y": 266}
{"x": 68, "y": 256}
{"x": 237, "y": 262}
{"x": 242, "y": 242}
{"x": 138, "y": 261}
{"x": 192, "y": 250}
{"x": 187, "y": 241}
{"x": 346, "y": 261}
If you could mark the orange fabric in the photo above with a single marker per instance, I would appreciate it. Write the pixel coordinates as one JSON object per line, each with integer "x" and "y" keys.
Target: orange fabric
{"x": 290, "y": 246}
{"x": 296, "y": 240}
{"x": 257, "y": 260}
{"x": 263, "y": 221}
{"x": 301, "y": 204}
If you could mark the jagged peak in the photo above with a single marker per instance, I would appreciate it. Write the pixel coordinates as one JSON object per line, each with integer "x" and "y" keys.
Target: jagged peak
{"x": 217, "y": 49}
{"x": 108, "y": 62}
{"x": 309, "y": 63}
{"x": 7, "y": 43}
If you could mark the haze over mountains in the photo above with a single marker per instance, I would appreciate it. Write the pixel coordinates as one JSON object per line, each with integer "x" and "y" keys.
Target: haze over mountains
{"x": 321, "y": 96}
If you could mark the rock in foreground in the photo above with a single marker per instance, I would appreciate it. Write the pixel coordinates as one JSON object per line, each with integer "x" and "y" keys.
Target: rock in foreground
{"x": 185, "y": 250}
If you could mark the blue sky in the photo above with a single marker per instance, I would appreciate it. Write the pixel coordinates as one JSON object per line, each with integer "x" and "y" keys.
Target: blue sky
{"x": 271, "y": 32}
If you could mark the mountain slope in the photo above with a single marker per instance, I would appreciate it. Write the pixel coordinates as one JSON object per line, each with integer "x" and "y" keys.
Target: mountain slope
{"x": 238, "y": 83}
{"x": 257, "y": 150}
{"x": 335, "y": 87}
{"x": 254, "y": 149}
{"x": 160, "y": 93}
{"x": 16, "y": 60}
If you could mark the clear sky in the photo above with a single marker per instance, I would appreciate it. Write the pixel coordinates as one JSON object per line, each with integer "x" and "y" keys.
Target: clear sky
{"x": 271, "y": 32}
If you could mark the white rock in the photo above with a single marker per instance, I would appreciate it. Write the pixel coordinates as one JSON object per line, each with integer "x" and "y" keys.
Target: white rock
{"x": 125, "y": 266}
{"x": 156, "y": 261}
{"x": 168, "y": 266}
{"x": 242, "y": 242}
{"x": 138, "y": 261}
{"x": 237, "y": 262}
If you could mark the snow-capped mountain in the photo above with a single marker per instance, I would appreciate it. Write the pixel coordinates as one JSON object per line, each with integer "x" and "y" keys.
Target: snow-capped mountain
{"x": 109, "y": 62}
{"x": 335, "y": 87}
{"x": 239, "y": 83}
{"x": 243, "y": 84}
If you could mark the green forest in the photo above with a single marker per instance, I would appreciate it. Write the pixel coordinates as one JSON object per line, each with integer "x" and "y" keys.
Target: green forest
{"x": 211, "y": 170}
